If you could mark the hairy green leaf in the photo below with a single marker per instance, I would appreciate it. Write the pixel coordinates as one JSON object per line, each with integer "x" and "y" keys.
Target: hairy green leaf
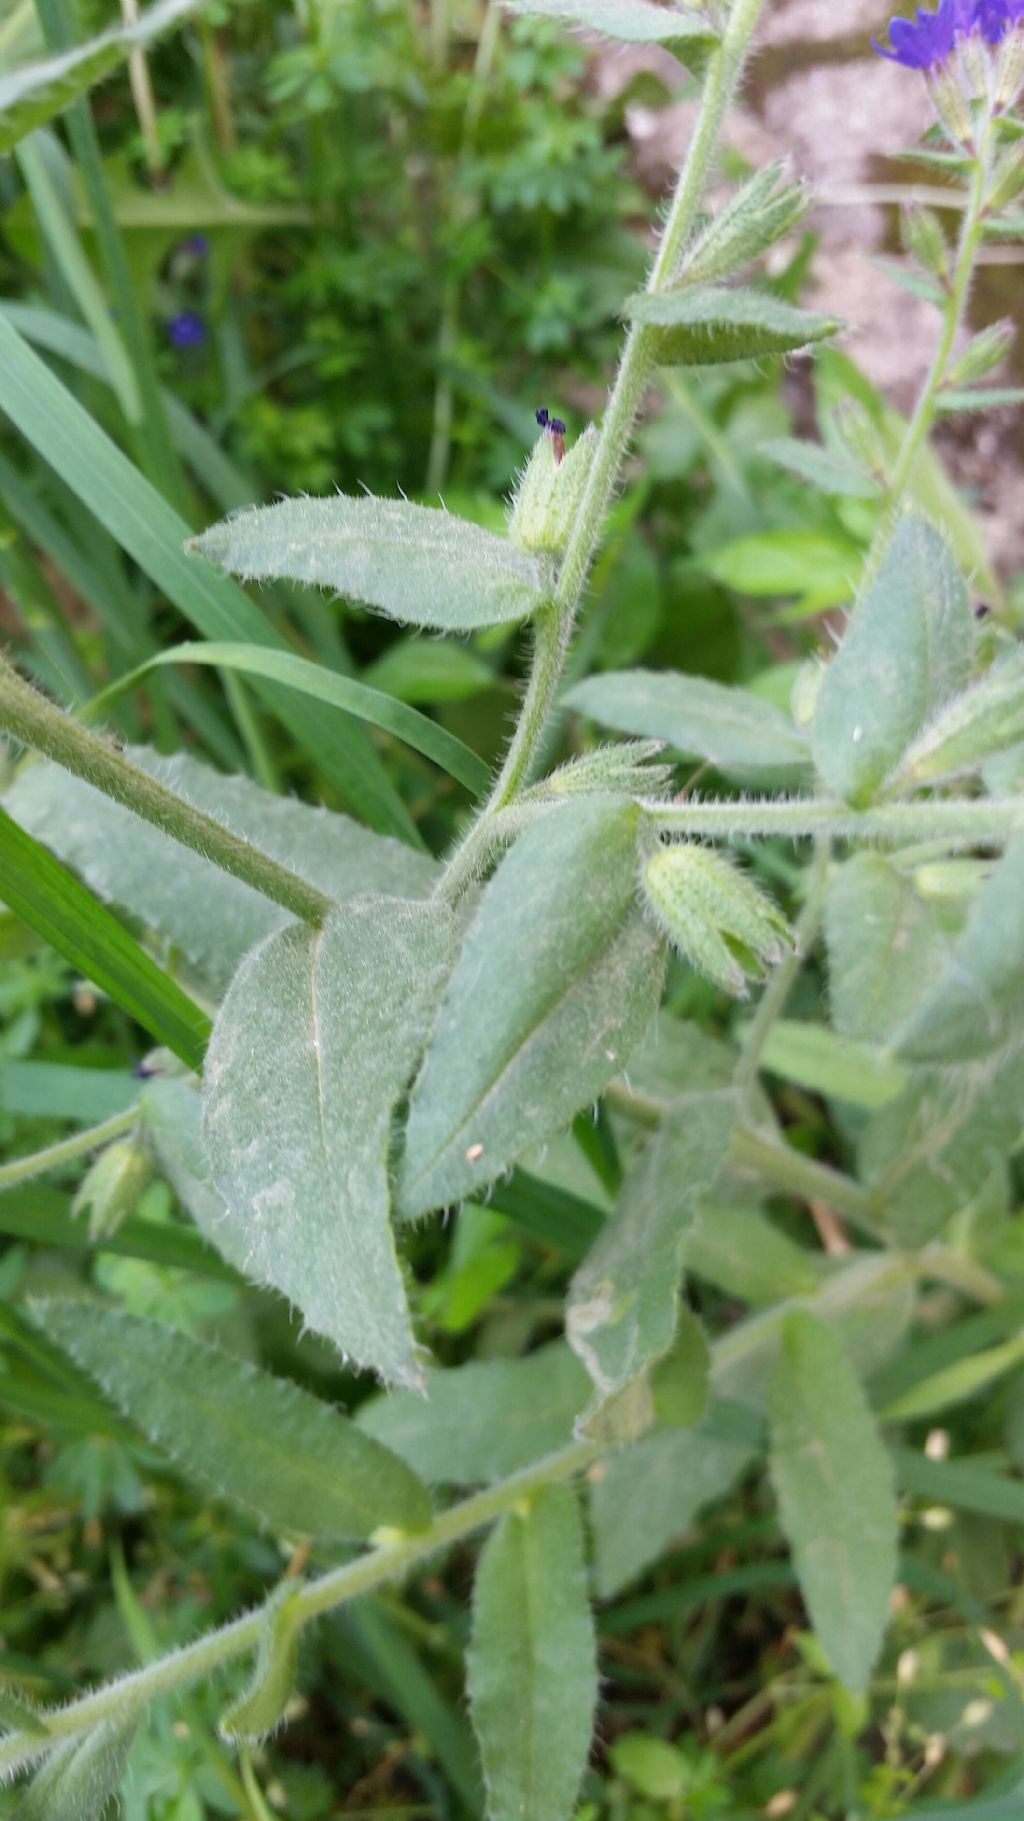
{"x": 53, "y": 903}
{"x": 746, "y": 1255}
{"x": 705, "y": 325}
{"x": 210, "y": 916}
{"x": 315, "y": 1041}
{"x": 585, "y": 984}
{"x": 686, "y": 34}
{"x": 419, "y": 564}
{"x": 907, "y": 648}
{"x": 484, "y": 1420}
{"x": 886, "y": 948}
{"x": 815, "y": 1058}
{"x": 649, "y": 1493}
{"x": 259, "y": 1709}
{"x": 80, "y": 1777}
{"x": 532, "y": 1669}
{"x": 837, "y": 1506}
{"x": 623, "y": 1301}
{"x": 820, "y": 468}
{"x": 260, "y": 1442}
{"x": 32, "y": 95}
{"x": 746, "y": 737}
{"x": 978, "y": 999}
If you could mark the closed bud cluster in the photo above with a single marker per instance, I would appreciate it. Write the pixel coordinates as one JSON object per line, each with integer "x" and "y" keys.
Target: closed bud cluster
{"x": 112, "y": 1185}
{"x": 924, "y": 240}
{"x": 719, "y": 920}
{"x": 982, "y": 354}
{"x": 986, "y": 719}
{"x": 753, "y": 219}
{"x": 549, "y": 494}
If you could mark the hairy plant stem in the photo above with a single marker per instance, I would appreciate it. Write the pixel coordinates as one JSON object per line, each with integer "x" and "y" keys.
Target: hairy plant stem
{"x": 66, "y": 1150}
{"x": 773, "y": 1000}
{"x": 923, "y": 415}
{"x": 554, "y": 627}
{"x": 41, "y": 725}
{"x": 960, "y": 822}
{"x": 130, "y": 1693}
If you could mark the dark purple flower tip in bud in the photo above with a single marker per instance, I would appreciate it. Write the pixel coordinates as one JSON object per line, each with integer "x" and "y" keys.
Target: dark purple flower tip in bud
{"x": 555, "y": 429}
{"x": 196, "y": 244}
{"x": 187, "y": 330}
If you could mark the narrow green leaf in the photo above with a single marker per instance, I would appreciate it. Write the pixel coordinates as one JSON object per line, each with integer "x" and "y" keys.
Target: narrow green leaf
{"x": 323, "y": 685}
{"x": 61, "y": 910}
{"x": 259, "y": 1442}
{"x": 259, "y": 1709}
{"x": 210, "y": 916}
{"x": 318, "y": 1035}
{"x": 150, "y": 531}
{"x": 687, "y": 35}
{"x": 623, "y": 1301}
{"x": 982, "y": 398}
{"x": 813, "y": 463}
{"x": 960, "y": 1484}
{"x": 61, "y": 1090}
{"x": 416, "y": 563}
{"x": 746, "y": 737}
{"x": 429, "y": 670}
{"x": 80, "y": 1777}
{"x": 41, "y": 1216}
{"x": 906, "y": 650}
{"x": 954, "y": 1383}
{"x": 886, "y": 948}
{"x": 746, "y": 1255}
{"x": 649, "y": 1493}
{"x": 586, "y": 983}
{"x": 532, "y": 1670}
{"x": 978, "y": 1000}
{"x": 705, "y": 325}
{"x": 32, "y": 95}
{"x": 482, "y": 1421}
{"x": 833, "y": 1480}
{"x": 815, "y": 1058}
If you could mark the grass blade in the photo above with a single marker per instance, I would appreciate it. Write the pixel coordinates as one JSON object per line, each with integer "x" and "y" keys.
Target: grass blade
{"x": 52, "y": 902}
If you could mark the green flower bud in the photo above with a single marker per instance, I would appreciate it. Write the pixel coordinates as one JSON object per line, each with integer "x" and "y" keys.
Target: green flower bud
{"x": 1009, "y": 177}
{"x": 923, "y": 239}
{"x": 860, "y": 437}
{"x": 940, "y": 881}
{"x": 719, "y": 920}
{"x": 626, "y": 767}
{"x": 549, "y": 494}
{"x": 987, "y": 718}
{"x": 950, "y": 106}
{"x": 981, "y": 354}
{"x": 1010, "y": 68}
{"x": 112, "y": 1185}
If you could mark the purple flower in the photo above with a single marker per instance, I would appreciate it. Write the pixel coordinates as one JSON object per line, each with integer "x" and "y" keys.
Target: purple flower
{"x": 186, "y": 330}
{"x": 925, "y": 41}
{"x": 196, "y": 244}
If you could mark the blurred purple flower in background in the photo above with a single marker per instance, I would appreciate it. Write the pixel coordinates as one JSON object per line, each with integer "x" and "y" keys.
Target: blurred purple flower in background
{"x": 197, "y": 244}
{"x": 924, "y": 42}
{"x": 186, "y": 330}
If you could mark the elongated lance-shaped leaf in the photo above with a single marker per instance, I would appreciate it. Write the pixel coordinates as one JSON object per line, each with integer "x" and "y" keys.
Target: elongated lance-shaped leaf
{"x": 323, "y": 685}
{"x": 585, "y": 983}
{"x": 837, "y": 1505}
{"x": 313, "y": 1045}
{"x": 210, "y": 916}
{"x": 977, "y": 1003}
{"x": 150, "y": 531}
{"x": 706, "y": 325}
{"x": 623, "y": 1301}
{"x": 79, "y": 1778}
{"x": 53, "y": 903}
{"x": 650, "y": 1492}
{"x": 259, "y": 1709}
{"x": 688, "y": 35}
{"x": 32, "y": 95}
{"x": 886, "y": 948}
{"x": 821, "y": 468}
{"x": 906, "y": 650}
{"x": 532, "y": 1670}
{"x": 416, "y": 563}
{"x": 484, "y": 1420}
{"x": 745, "y": 737}
{"x": 257, "y": 1441}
